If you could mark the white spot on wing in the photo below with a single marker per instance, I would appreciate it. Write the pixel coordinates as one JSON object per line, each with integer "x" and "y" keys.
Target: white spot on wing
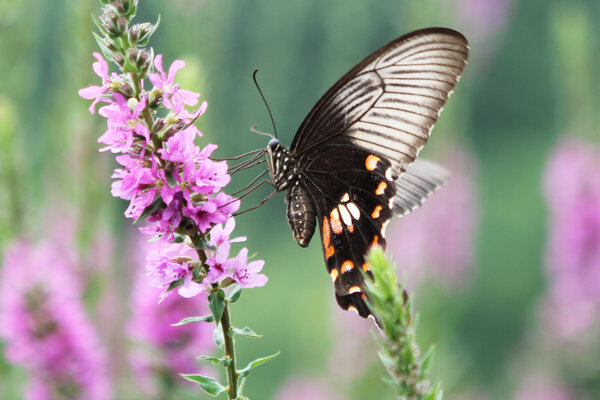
{"x": 384, "y": 227}
{"x": 345, "y": 215}
{"x": 353, "y": 210}
{"x": 345, "y": 197}
{"x": 388, "y": 174}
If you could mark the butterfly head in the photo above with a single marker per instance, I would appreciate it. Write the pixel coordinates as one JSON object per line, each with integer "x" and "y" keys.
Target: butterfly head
{"x": 281, "y": 164}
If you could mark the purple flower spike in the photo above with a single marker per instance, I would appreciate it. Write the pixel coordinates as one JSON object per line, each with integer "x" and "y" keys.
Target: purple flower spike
{"x": 572, "y": 187}
{"x": 169, "y": 181}
{"x": 45, "y": 328}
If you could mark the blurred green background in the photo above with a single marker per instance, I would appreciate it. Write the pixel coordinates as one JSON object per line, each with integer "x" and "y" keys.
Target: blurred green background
{"x": 532, "y": 78}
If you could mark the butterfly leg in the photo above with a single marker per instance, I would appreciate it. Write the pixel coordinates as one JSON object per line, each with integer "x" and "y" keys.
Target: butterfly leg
{"x": 257, "y": 206}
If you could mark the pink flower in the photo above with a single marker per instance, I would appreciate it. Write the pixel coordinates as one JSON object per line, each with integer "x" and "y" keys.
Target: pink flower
{"x": 171, "y": 91}
{"x": 572, "y": 188}
{"x": 306, "y": 389}
{"x": 169, "y": 263}
{"x": 247, "y": 274}
{"x": 219, "y": 235}
{"x": 215, "y": 210}
{"x": 123, "y": 124}
{"x": 436, "y": 240}
{"x": 96, "y": 92}
{"x": 180, "y": 147}
{"x": 44, "y": 325}
{"x": 543, "y": 388}
{"x": 482, "y": 19}
{"x": 220, "y": 265}
{"x": 168, "y": 350}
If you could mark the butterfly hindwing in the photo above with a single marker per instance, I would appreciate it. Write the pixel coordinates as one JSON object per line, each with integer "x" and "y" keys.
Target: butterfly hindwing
{"x": 352, "y": 207}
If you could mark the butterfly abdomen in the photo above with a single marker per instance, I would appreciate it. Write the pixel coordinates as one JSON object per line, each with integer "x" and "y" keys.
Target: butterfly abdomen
{"x": 300, "y": 214}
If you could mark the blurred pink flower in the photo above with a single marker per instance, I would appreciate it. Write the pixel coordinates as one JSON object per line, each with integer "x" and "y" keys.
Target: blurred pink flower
{"x": 306, "y": 389}
{"x": 166, "y": 349}
{"x": 572, "y": 189}
{"x": 436, "y": 241}
{"x": 482, "y": 19}
{"x": 44, "y": 325}
{"x": 353, "y": 346}
{"x": 543, "y": 388}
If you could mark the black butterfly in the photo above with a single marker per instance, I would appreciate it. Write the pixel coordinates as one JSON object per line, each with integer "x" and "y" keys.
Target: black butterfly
{"x": 352, "y": 163}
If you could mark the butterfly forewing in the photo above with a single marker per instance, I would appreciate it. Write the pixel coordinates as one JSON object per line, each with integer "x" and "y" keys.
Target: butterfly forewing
{"x": 390, "y": 101}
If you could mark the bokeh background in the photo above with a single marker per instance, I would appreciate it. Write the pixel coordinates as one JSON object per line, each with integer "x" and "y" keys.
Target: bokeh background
{"x": 504, "y": 262}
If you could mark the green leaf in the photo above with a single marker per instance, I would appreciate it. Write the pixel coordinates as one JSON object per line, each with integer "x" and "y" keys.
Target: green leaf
{"x": 244, "y": 332}
{"x": 208, "y": 384}
{"x": 218, "y": 336}
{"x": 427, "y": 361}
{"x": 99, "y": 40}
{"x": 216, "y": 304}
{"x": 216, "y": 361}
{"x": 235, "y": 294}
{"x": 202, "y": 244}
{"x": 436, "y": 393}
{"x": 253, "y": 364}
{"x": 156, "y": 204}
{"x": 204, "y": 318}
{"x": 175, "y": 284}
{"x": 146, "y": 38}
{"x": 129, "y": 67}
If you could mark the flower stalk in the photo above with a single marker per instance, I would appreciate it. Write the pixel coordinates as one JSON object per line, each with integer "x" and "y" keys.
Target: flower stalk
{"x": 171, "y": 183}
{"x": 399, "y": 352}
{"x": 232, "y": 375}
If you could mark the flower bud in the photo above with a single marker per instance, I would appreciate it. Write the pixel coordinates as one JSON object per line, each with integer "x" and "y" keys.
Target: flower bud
{"x": 159, "y": 124}
{"x": 125, "y": 7}
{"x": 141, "y": 60}
{"x": 139, "y": 34}
{"x": 118, "y": 59}
{"x": 121, "y": 85}
{"x": 111, "y": 23}
{"x": 155, "y": 98}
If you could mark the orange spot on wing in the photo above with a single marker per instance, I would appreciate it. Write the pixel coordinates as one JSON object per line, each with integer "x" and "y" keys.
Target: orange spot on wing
{"x": 371, "y": 162}
{"x": 336, "y": 224}
{"x": 326, "y": 233}
{"x": 351, "y": 228}
{"x": 363, "y": 296}
{"x": 381, "y": 188}
{"x": 329, "y": 252}
{"x": 334, "y": 274}
{"x": 376, "y": 212}
{"x": 375, "y": 241}
{"x": 347, "y": 266}
{"x": 366, "y": 267}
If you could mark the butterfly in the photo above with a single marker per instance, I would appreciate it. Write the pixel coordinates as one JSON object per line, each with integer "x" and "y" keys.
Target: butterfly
{"x": 352, "y": 164}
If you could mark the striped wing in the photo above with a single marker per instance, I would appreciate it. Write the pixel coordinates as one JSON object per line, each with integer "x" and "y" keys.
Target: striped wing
{"x": 389, "y": 102}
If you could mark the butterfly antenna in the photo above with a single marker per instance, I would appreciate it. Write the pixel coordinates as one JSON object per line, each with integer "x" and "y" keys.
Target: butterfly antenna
{"x": 253, "y": 129}
{"x": 264, "y": 100}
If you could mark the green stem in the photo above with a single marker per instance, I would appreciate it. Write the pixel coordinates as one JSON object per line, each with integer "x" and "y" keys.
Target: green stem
{"x": 232, "y": 375}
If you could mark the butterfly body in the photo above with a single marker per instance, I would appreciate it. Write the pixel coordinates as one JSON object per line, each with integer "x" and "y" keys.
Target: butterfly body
{"x": 351, "y": 165}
